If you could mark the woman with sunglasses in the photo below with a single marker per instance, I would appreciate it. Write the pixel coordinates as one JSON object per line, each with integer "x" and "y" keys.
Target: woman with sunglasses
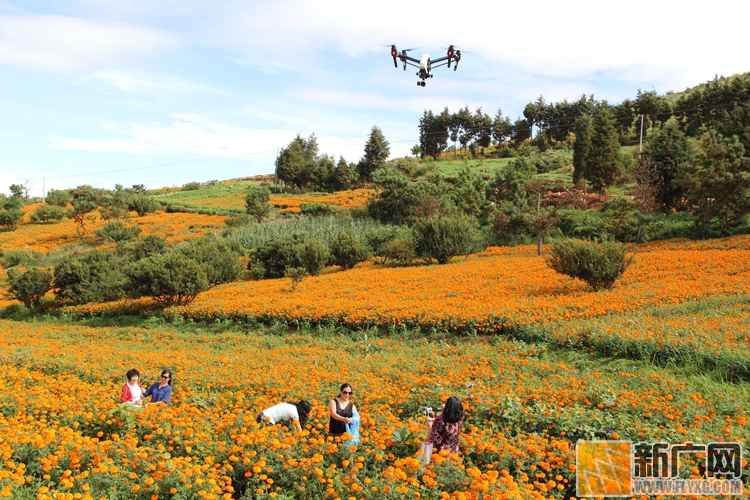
{"x": 341, "y": 410}
{"x": 161, "y": 391}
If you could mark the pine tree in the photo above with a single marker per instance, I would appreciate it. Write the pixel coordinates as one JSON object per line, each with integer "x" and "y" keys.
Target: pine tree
{"x": 377, "y": 151}
{"x": 603, "y": 164}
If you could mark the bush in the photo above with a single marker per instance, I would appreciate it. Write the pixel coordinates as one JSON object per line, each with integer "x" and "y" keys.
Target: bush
{"x": 550, "y": 161}
{"x": 29, "y": 286}
{"x": 314, "y": 208}
{"x": 20, "y": 258}
{"x": 170, "y": 279}
{"x": 239, "y": 220}
{"x": 378, "y": 239}
{"x": 48, "y": 213}
{"x": 275, "y": 255}
{"x": 256, "y": 203}
{"x": 10, "y": 218}
{"x": 118, "y": 232}
{"x": 506, "y": 152}
{"x": 597, "y": 264}
{"x": 296, "y": 274}
{"x": 60, "y": 198}
{"x": 347, "y": 251}
{"x": 143, "y": 204}
{"x": 148, "y": 246}
{"x": 443, "y": 237}
{"x": 95, "y": 277}
{"x": 218, "y": 258}
{"x": 402, "y": 250}
{"x": 192, "y": 186}
{"x": 313, "y": 255}
{"x": 582, "y": 224}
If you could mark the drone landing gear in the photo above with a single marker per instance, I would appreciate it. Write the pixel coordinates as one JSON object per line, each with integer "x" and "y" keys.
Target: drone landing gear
{"x": 421, "y": 84}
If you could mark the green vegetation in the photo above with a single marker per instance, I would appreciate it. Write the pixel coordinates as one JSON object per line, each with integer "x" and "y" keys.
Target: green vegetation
{"x": 597, "y": 264}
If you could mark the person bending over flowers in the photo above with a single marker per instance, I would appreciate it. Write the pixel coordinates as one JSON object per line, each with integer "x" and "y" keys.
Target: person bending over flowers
{"x": 295, "y": 412}
{"x": 444, "y": 430}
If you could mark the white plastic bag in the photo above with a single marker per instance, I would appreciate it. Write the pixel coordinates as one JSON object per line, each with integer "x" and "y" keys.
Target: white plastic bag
{"x": 426, "y": 454}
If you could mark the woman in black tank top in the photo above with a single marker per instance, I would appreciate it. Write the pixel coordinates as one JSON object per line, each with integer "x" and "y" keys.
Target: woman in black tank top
{"x": 340, "y": 409}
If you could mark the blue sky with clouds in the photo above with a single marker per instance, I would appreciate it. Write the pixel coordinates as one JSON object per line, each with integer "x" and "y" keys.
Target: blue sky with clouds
{"x": 163, "y": 93}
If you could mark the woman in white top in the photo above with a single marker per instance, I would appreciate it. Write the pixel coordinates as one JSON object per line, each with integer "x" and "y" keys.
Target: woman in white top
{"x": 132, "y": 392}
{"x": 295, "y": 412}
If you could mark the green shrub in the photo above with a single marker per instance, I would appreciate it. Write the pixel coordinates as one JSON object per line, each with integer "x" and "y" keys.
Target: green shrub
{"x": 60, "y": 198}
{"x": 275, "y": 255}
{"x": 143, "y": 204}
{"x": 551, "y": 160}
{"x": 94, "y": 277}
{"x": 598, "y": 264}
{"x": 239, "y": 220}
{"x": 192, "y": 186}
{"x": 29, "y": 286}
{"x": 402, "y": 250}
{"x": 582, "y": 224}
{"x": 10, "y": 218}
{"x": 48, "y": 213}
{"x": 442, "y": 237}
{"x": 347, "y": 250}
{"x": 315, "y": 208}
{"x": 219, "y": 258}
{"x": 20, "y": 258}
{"x": 378, "y": 239}
{"x": 256, "y": 203}
{"x": 296, "y": 274}
{"x": 313, "y": 255}
{"x": 171, "y": 279}
{"x": 506, "y": 152}
{"x": 149, "y": 245}
{"x": 118, "y": 232}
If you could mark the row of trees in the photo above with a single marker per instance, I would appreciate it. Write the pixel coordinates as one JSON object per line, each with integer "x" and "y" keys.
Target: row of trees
{"x": 300, "y": 164}
{"x": 146, "y": 267}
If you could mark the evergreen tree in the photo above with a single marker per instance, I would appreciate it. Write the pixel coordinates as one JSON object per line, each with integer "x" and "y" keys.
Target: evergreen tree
{"x": 581, "y": 148}
{"x": 603, "y": 163}
{"x": 342, "y": 176}
{"x": 377, "y": 151}
{"x": 671, "y": 151}
{"x": 501, "y": 127}
{"x": 256, "y": 203}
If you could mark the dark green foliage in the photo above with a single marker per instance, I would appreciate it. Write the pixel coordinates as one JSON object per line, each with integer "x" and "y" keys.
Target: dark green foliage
{"x": 9, "y": 218}
{"x": 671, "y": 151}
{"x": 433, "y": 132}
{"x": 20, "y": 258}
{"x": 59, "y": 198}
{"x": 256, "y": 203}
{"x": 84, "y": 202}
{"x": 192, "y": 186}
{"x": 347, "y": 250}
{"x": 597, "y": 264}
{"x": 118, "y": 232}
{"x": 443, "y": 237}
{"x": 94, "y": 277}
{"x": 469, "y": 193}
{"x": 275, "y": 255}
{"x": 218, "y": 258}
{"x": 345, "y": 175}
{"x": 239, "y": 220}
{"x": 621, "y": 219}
{"x": 717, "y": 184}
{"x": 296, "y": 275}
{"x": 114, "y": 204}
{"x": 377, "y": 151}
{"x": 48, "y": 213}
{"x": 143, "y": 204}
{"x": 378, "y": 239}
{"x": 583, "y": 224}
{"x": 397, "y": 198}
{"x": 603, "y": 163}
{"x": 148, "y": 246}
{"x": 171, "y": 279}
{"x": 313, "y": 255}
{"x": 29, "y": 286}
{"x": 551, "y": 160}
{"x": 313, "y": 208}
{"x": 402, "y": 250}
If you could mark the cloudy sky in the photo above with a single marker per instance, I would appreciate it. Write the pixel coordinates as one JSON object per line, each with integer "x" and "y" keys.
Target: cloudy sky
{"x": 163, "y": 93}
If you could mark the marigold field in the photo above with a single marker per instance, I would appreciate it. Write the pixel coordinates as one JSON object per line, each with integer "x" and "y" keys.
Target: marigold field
{"x": 538, "y": 359}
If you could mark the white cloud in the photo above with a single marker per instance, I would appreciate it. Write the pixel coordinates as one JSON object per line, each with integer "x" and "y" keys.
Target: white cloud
{"x": 141, "y": 83}
{"x": 54, "y": 42}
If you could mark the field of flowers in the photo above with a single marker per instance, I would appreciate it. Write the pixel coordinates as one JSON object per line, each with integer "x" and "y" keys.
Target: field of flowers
{"x": 55, "y": 236}
{"x": 344, "y": 200}
{"x": 62, "y": 434}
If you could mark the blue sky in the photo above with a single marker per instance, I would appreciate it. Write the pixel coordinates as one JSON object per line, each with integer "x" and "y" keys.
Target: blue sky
{"x": 163, "y": 93}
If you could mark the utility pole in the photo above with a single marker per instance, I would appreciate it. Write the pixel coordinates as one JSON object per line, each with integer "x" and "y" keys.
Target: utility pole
{"x": 44, "y": 181}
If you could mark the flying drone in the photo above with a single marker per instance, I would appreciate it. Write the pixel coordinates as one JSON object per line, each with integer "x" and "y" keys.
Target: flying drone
{"x": 425, "y": 64}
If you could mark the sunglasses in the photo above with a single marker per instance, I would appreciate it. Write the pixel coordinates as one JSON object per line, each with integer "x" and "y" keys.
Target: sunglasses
{"x": 165, "y": 376}
{"x": 347, "y": 392}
